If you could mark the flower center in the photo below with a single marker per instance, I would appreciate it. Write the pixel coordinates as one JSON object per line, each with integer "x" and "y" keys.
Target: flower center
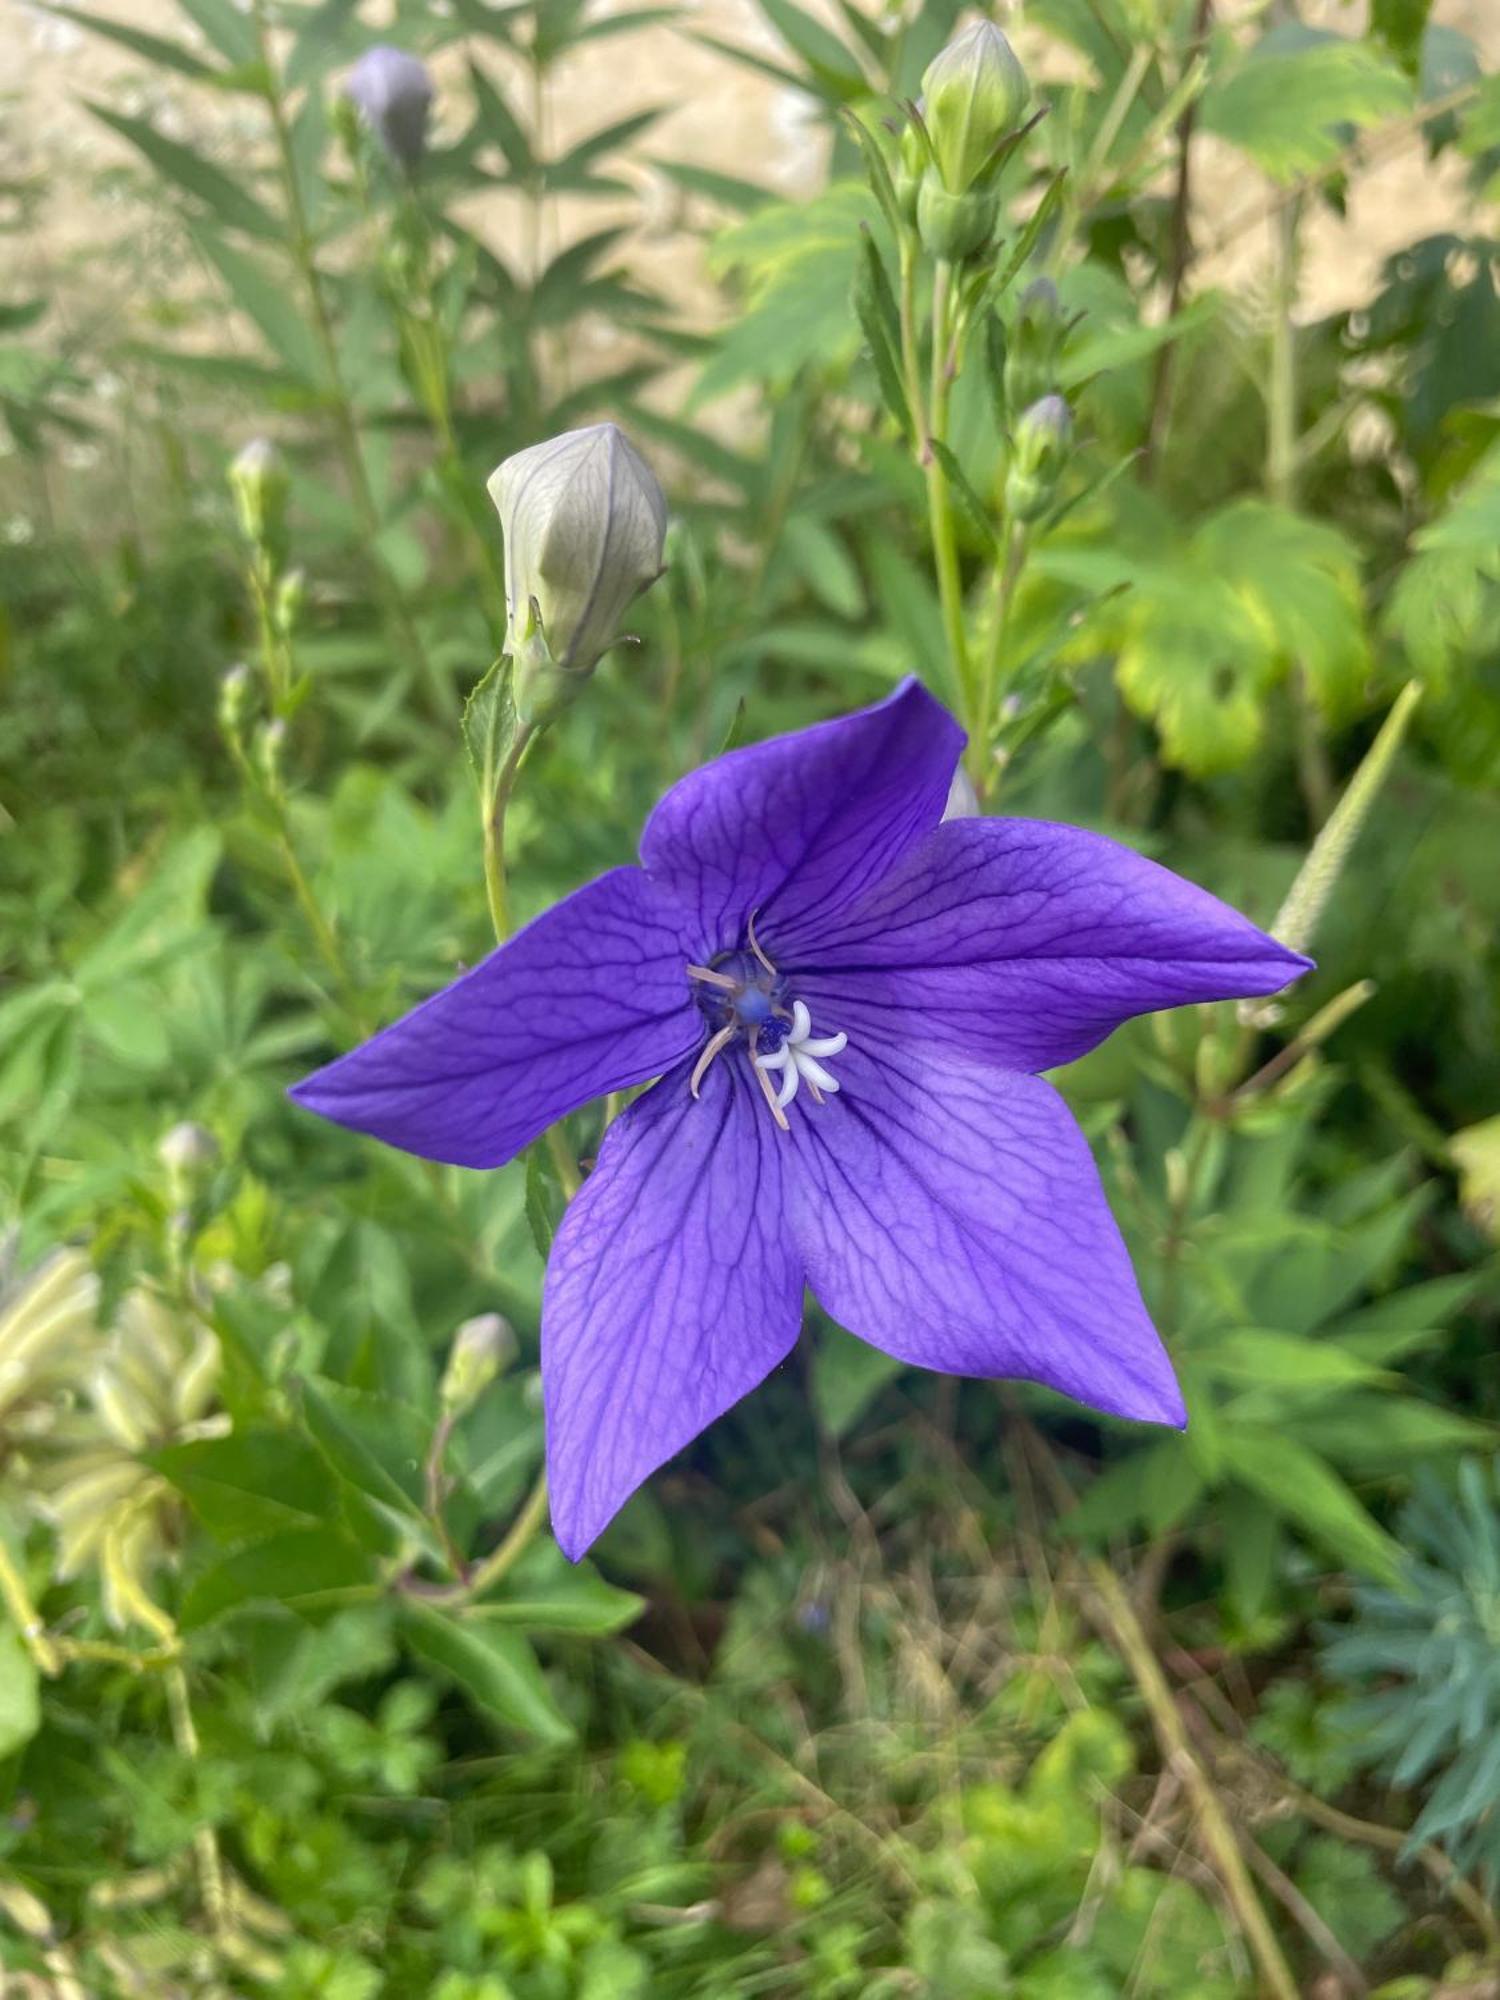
{"x": 740, "y": 994}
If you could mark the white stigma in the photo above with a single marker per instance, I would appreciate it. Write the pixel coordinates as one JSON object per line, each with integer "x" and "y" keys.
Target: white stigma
{"x": 801, "y": 1057}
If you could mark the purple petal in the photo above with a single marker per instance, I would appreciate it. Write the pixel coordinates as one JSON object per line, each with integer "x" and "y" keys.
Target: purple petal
{"x": 953, "y": 1216}
{"x": 796, "y": 829}
{"x": 593, "y": 996}
{"x": 1024, "y": 943}
{"x": 673, "y": 1288}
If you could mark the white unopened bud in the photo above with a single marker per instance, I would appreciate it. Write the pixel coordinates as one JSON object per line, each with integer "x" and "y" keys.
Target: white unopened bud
{"x": 258, "y": 481}
{"x": 481, "y": 1348}
{"x": 188, "y": 1149}
{"x": 973, "y": 94}
{"x": 584, "y": 523}
{"x": 393, "y": 93}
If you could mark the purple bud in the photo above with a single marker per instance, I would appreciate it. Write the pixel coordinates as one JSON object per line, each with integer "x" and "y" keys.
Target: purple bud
{"x": 393, "y": 92}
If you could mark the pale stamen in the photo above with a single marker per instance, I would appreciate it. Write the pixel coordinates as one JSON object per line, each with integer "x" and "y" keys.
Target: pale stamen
{"x": 710, "y": 1049}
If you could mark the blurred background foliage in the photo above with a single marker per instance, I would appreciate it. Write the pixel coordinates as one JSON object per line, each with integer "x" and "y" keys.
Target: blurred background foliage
{"x": 891, "y": 1685}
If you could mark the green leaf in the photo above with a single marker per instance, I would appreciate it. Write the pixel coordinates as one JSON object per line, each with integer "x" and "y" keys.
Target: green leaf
{"x": 264, "y": 299}
{"x": 155, "y": 49}
{"x": 207, "y": 185}
{"x": 489, "y": 725}
{"x": 226, "y": 26}
{"x": 493, "y": 1665}
{"x": 847, "y": 1376}
{"x": 742, "y": 196}
{"x": 545, "y": 1200}
{"x": 1289, "y": 1361}
{"x": 834, "y": 66}
{"x": 970, "y": 505}
{"x": 255, "y": 1482}
{"x": 825, "y": 565}
{"x": 1286, "y": 103}
{"x": 875, "y": 307}
{"x": 162, "y": 919}
{"x": 1298, "y": 1484}
{"x": 547, "y": 1593}
{"x": 499, "y": 124}
{"x": 377, "y": 1445}
{"x": 20, "y": 1700}
{"x": 573, "y": 168}
{"x": 305, "y": 1568}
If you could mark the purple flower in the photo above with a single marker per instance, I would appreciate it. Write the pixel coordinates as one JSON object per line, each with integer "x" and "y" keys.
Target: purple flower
{"x": 393, "y": 92}
{"x": 846, "y": 1000}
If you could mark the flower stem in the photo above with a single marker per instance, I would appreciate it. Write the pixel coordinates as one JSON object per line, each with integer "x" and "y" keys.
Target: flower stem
{"x": 406, "y": 638}
{"x": 1007, "y": 576}
{"x": 940, "y": 500}
{"x": 205, "y": 1841}
{"x": 496, "y": 807}
{"x": 502, "y": 1559}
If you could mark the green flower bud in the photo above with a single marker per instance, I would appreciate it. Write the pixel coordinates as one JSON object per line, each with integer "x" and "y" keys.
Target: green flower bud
{"x": 584, "y": 523}
{"x": 258, "y": 482}
{"x": 955, "y": 226}
{"x": 236, "y": 693}
{"x": 973, "y": 94}
{"x": 1032, "y": 348}
{"x": 481, "y": 1348}
{"x": 1039, "y": 451}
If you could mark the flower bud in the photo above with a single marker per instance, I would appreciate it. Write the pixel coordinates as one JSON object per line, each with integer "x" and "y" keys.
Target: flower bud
{"x": 236, "y": 690}
{"x": 258, "y": 481}
{"x": 1031, "y": 350}
{"x": 584, "y": 523}
{"x": 481, "y": 1348}
{"x": 393, "y": 93}
{"x": 188, "y": 1150}
{"x": 974, "y": 92}
{"x": 1039, "y": 451}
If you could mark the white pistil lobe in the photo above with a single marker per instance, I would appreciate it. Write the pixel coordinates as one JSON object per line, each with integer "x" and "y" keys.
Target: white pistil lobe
{"x": 801, "y": 1057}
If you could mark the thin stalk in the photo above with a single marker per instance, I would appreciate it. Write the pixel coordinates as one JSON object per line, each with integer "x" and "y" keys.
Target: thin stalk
{"x": 1125, "y": 1631}
{"x": 408, "y": 640}
{"x": 1007, "y": 576}
{"x": 1313, "y": 773}
{"x": 940, "y": 500}
{"x": 1159, "y": 423}
{"x": 911, "y": 360}
{"x": 522, "y": 1530}
{"x": 205, "y": 1841}
{"x": 494, "y": 830}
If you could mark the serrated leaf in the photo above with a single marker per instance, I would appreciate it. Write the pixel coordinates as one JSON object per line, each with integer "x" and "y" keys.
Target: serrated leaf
{"x": 494, "y": 1666}
{"x": 970, "y": 505}
{"x": 875, "y": 307}
{"x": 489, "y": 724}
{"x": 1286, "y": 102}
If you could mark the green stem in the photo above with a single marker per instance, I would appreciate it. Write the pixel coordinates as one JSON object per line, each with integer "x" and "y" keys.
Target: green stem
{"x": 1282, "y": 455}
{"x": 940, "y": 500}
{"x": 407, "y": 639}
{"x": 500, "y": 1561}
{"x": 205, "y": 1841}
{"x": 496, "y": 807}
{"x": 911, "y": 359}
{"x": 1007, "y": 576}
